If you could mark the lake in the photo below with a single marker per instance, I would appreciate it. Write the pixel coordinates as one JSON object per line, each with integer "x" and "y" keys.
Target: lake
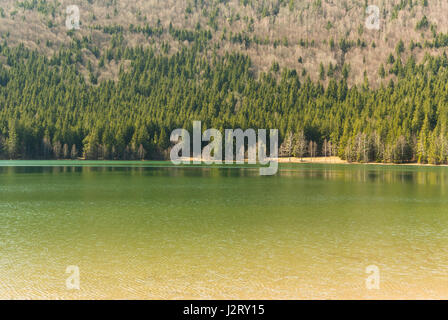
{"x": 148, "y": 230}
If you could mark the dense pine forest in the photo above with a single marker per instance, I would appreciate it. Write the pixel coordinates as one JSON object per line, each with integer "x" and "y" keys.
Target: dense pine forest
{"x": 57, "y": 104}
{"x": 48, "y": 110}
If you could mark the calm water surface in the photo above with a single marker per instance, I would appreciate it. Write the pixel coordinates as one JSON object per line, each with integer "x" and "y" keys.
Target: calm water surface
{"x": 148, "y": 231}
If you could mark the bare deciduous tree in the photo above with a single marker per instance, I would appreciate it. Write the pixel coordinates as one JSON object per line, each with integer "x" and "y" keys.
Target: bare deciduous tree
{"x": 299, "y": 148}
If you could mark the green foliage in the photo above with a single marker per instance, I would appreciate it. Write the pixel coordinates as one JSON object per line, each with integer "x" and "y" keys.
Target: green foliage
{"x": 50, "y": 110}
{"x": 423, "y": 23}
{"x": 43, "y": 6}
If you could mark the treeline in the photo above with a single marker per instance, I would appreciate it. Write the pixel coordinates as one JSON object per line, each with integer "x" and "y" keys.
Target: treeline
{"x": 48, "y": 110}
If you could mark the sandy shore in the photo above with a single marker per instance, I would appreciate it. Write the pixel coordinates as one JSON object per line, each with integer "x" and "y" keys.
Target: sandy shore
{"x": 313, "y": 160}
{"x": 337, "y": 160}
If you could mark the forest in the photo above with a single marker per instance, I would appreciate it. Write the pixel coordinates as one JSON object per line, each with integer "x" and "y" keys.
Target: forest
{"x": 49, "y": 110}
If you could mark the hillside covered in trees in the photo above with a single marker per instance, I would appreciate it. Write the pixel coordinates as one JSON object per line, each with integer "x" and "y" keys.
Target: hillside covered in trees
{"x": 116, "y": 90}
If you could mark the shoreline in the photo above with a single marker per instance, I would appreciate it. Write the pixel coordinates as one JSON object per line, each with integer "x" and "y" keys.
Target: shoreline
{"x": 281, "y": 160}
{"x": 337, "y": 160}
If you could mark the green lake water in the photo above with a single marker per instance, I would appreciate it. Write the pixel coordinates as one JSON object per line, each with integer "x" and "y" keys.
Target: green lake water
{"x": 148, "y": 230}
